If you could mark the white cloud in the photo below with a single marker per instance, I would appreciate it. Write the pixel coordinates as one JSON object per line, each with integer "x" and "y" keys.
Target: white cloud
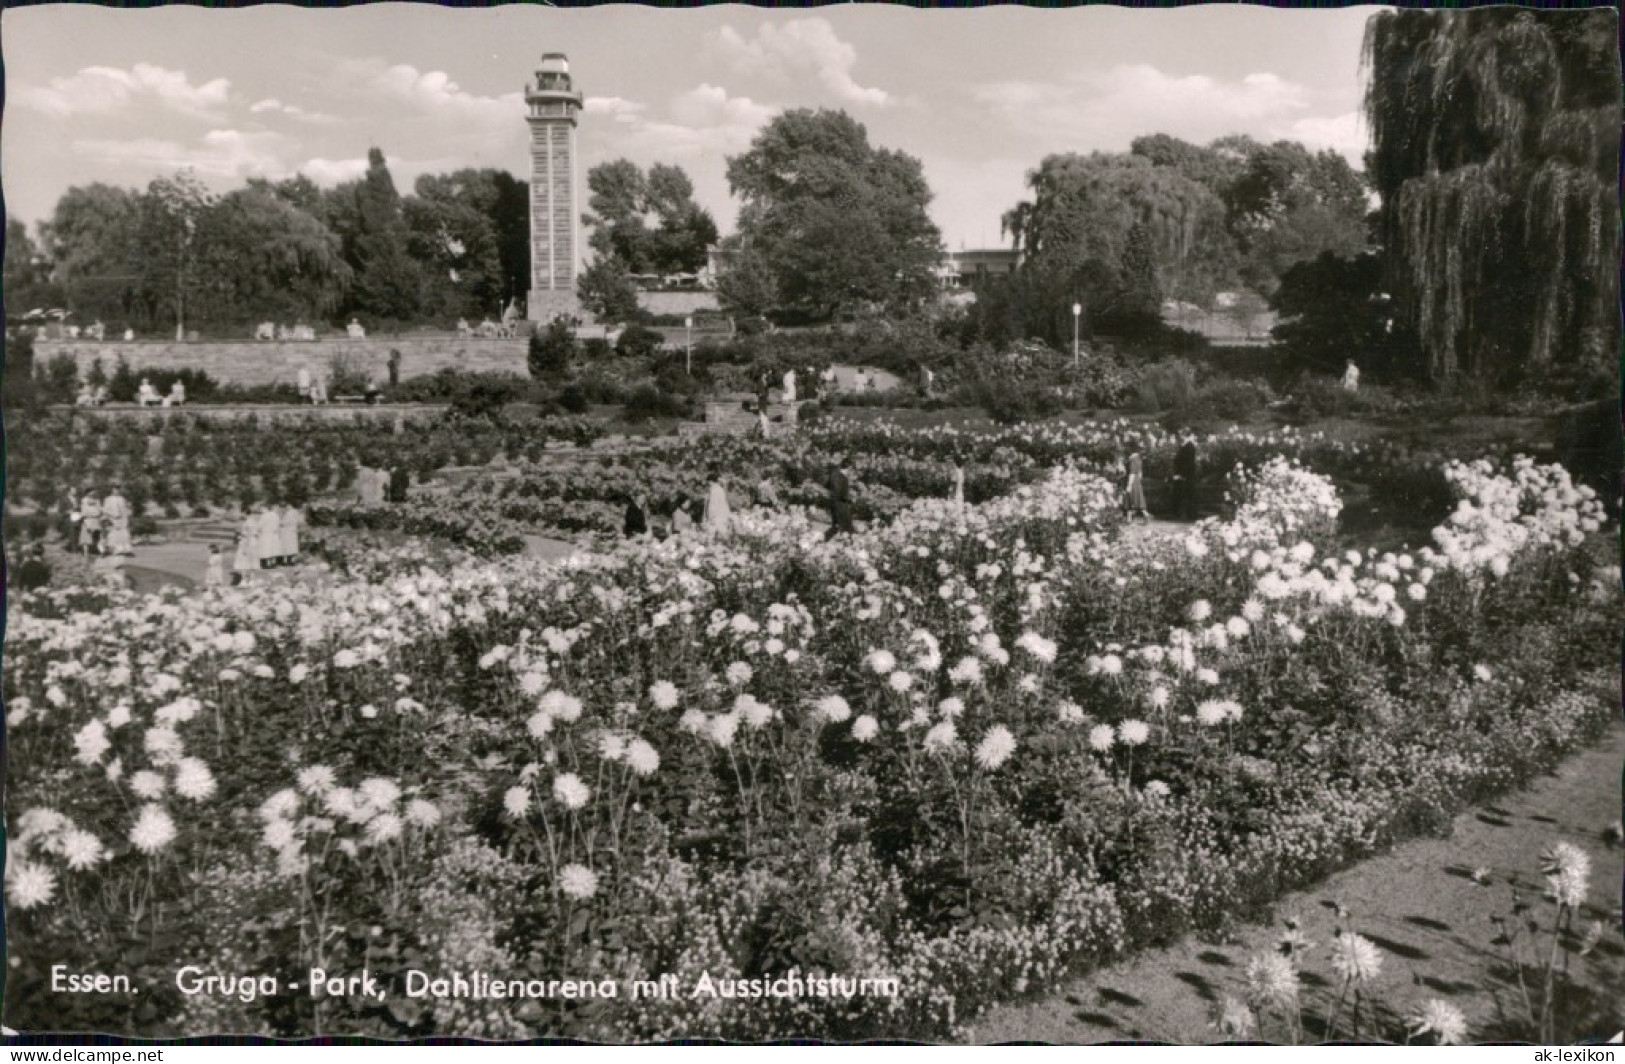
{"x": 705, "y": 120}
{"x": 99, "y": 90}
{"x": 334, "y": 171}
{"x": 434, "y": 93}
{"x": 220, "y": 153}
{"x": 614, "y": 107}
{"x": 277, "y": 107}
{"x": 1108, "y": 110}
{"x": 797, "y": 49}
{"x": 1345, "y": 134}
{"x": 402, "y": 108}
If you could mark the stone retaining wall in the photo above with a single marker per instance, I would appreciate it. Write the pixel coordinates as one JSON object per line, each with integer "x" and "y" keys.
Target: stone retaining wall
{"x": 251, "y": 362}
{"x": 266, "y": 413}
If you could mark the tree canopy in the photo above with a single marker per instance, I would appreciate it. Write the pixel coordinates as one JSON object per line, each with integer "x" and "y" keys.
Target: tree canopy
{"x": 1495, "y": 136}
{"x": 288, "y": 250}
{"x": 649, "y": 221}
{"x": 838, "y": 222}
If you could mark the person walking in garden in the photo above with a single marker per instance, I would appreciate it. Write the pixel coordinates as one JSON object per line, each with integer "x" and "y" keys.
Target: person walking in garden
{"x": 288, "y": 534}
{"x": 637, "y": 517}
{"x": 243, "y": 562}
{"x": 840, "y": 499}
{"x": 1351, "y": 377}
{"x": 766, "y": 495}
{"x": 34, "y": 572}
{"x": 116, "y": 516}
{"x": 1134, "y": 488}
{"x": 90, "y": 524}
{"x": 680, "y": 519}
{"x": 214, "y": 575}
{"x": 718, "y": 515}
{"x": 267, "y": 529}
{"x": 1186, "y": 469}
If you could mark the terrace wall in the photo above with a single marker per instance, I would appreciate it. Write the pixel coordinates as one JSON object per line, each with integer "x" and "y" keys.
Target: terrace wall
{"x": 253, "y": 362}
{"x": 677, "y": 302}
{"x": 154, "y": 417}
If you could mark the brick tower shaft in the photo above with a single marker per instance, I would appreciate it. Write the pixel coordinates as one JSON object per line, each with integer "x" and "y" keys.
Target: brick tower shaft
{"x": 553, "y": 105}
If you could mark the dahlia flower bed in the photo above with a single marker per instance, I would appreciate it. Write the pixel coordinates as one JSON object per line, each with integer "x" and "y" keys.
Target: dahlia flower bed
{"x": 847, "y": 789}
{"x": 890, "y": 467}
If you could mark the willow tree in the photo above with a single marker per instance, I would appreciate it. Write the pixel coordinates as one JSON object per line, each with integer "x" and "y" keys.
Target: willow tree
{"x": 1495, "y": 149}
{"x": 1094, "y": 220}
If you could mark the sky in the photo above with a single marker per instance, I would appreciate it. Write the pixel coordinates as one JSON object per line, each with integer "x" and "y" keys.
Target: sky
{"x": 979, "y": 96}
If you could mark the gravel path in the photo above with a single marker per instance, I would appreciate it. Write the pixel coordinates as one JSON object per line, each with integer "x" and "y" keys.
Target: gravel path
{"x": 1419, "y": 903}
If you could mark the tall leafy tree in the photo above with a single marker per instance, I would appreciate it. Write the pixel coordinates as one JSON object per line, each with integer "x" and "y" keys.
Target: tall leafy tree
{"x": 174, "y": 211}
{"x": 387, "y": 278}
{"x": 839, "y": 222}
{"x": 649, "y": 221}
{"x": 607, "y": 291}
{"x": 1076, "y": 231}
{"x": 1289, "y": 205}
{"x": 510, "y": 221}
{"x": 746, "y": 286}
{"x": 1283, "y": 203}
{"x": 271, "y": 259}
{"x": 1495, "y": 136}
{"x": 91, "y": 240}
{"x": 27, "y": 273}
{"x": 453, "y": 239}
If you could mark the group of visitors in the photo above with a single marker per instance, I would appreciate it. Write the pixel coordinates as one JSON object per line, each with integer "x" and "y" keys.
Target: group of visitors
{"x": 267, "y": 539}
{"x": 312, "y": 389}
{"x": 270, "y": 330}
{"x": 99, "y": 524}
{"x": 147, "y": 395}
{"x": 1186, "y": 478}
{"x": 714, "y": 512}
{"x": 374, "y": 487}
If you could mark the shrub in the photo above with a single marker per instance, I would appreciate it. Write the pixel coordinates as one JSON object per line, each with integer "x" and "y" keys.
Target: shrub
{"x": 1166, "y": 386}
{"x": 596, "y": 348}
{"x": 484, "y": 395}
{"x": 648, "y": 401}
{"x": 1007, "y": 402}
{"x": 574, "y": 398}
{"x": 638, "y": 342}
{"x": 1315, "y": 396}
{"x": 1231, "y": 400}
{"x": 548, "y": 356}
{"x": 17, "y": 386}
{"x": 347, "y": 375}
{"x": 123, "y": 384}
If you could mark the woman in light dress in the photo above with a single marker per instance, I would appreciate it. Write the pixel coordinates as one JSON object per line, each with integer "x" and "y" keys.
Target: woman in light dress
{"x": 717, "y": 513}
{"x": 1134, "y": 489}
{"x": 288, "y": 531}
{"x": 681, "y": 520}
{"x": 266, "y": 529}
{"x": 214, "y": 576}
{"x": 116, "y": 518}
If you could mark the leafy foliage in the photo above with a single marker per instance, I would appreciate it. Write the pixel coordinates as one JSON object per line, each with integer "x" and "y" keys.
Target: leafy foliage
{"x": 550, "y": 350}
{"x": 1496, "y": 153}
{"x": 838, "y": 222}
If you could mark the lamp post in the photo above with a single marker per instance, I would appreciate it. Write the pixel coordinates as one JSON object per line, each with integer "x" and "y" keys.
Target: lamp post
{"x": 1077, "y": 314}
{"x": 688, "y": 356}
